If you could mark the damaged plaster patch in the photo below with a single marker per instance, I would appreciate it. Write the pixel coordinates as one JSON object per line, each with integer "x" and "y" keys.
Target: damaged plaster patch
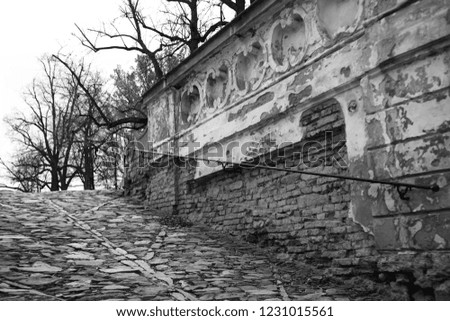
{"x": 303, "y": 77}
{"x": 345, "y": 71}
{"x": 430, "y": 200}
{"x": 379, "y": 130}
{"x": 403, "y": 232}
{"x": 386, "y": 47}
{"x": 262, "y": 100}
{"x": 389, "y": 200}
{"x": 441, "y": 243}
{"x": 275, "y": 110}
{"x": 397, "y": 122}
{"x": 415, "y": 228}
{"x": 373, "y": 190}
{"x": 442, "y": 181}
{"x": 352, "y": 216}
{"x": 295, "y": 99}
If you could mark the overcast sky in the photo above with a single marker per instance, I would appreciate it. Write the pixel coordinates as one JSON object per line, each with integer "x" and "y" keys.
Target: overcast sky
{"x": 30, "y": 29}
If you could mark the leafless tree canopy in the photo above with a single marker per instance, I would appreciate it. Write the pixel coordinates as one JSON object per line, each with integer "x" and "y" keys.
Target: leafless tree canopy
{"x": 26, "y": 171}
{"x": 104, "y": 114}
{"x": 49, "y": 128}
{"x": 61, "y": 133}
{"x": 186, "y": 25}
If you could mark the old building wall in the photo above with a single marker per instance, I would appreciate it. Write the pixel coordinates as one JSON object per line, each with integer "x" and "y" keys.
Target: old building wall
{"x": 305, "y": 216}
{"x": 271, "y": 79}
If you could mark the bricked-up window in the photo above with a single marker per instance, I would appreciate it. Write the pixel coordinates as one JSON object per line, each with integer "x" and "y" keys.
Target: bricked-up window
{"x": 324, "y": 141}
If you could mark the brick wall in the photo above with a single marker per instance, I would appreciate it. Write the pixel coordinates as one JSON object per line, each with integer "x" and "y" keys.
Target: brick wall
{"x": 160, "y": 192}
{"x": 135, "y": 178}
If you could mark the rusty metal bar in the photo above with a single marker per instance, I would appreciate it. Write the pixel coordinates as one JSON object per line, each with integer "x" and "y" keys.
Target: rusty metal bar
{"x": 399, "y": 185}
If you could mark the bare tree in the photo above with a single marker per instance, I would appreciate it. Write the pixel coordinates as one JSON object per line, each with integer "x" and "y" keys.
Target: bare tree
{"x": 88, "y": 139}
{"x": 104, "y": 114}
{"x": 26, "y": 170}
{"x": 189, "y": 23}
{"x": 49, "y": 129}
{"x": 129, "y": 41}
{"x": 110, "y": 167}
{"x": 70, "y": 117}
{"x": 130, "y": 85}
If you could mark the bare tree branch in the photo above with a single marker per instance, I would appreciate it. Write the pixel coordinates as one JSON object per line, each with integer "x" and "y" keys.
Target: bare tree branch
{"x": 107, "y": 121}
{"x": 131, "y": 13}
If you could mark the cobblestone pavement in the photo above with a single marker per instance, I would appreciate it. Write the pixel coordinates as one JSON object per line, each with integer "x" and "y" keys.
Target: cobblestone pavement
{"x": 100, "y": 246}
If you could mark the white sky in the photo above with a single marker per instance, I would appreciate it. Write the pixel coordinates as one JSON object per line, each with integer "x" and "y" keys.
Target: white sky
{"x": 30, "y": 29}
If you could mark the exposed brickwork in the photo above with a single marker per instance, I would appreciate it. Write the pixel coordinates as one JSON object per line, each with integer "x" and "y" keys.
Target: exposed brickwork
{"x": 160, "y": 189}
{"x": 303, "y": 215}
{"x": 136, "y": 180}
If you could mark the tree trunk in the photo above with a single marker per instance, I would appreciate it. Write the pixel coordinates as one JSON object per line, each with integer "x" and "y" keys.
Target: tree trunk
{"x": 88, "y": 168}
{"x": 194, "y": 42}
{"x": 63, "y": 180}
{"x": 55, "y": 180}
{"x": 240, "y": 6}
{"x": 88, "y": 174}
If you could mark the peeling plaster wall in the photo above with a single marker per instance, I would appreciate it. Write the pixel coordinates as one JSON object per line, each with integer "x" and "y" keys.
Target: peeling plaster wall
{"x": 386, "y": 64}
{"x": 410, "y": 114}
{"x": 161, "y": 117}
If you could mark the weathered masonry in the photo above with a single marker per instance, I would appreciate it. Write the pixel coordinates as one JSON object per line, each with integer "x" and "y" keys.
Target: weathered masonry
{"x": 351, "y": 87}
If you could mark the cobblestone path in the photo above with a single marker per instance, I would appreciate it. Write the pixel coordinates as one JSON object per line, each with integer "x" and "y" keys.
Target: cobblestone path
{"x": 99, "y": 246}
